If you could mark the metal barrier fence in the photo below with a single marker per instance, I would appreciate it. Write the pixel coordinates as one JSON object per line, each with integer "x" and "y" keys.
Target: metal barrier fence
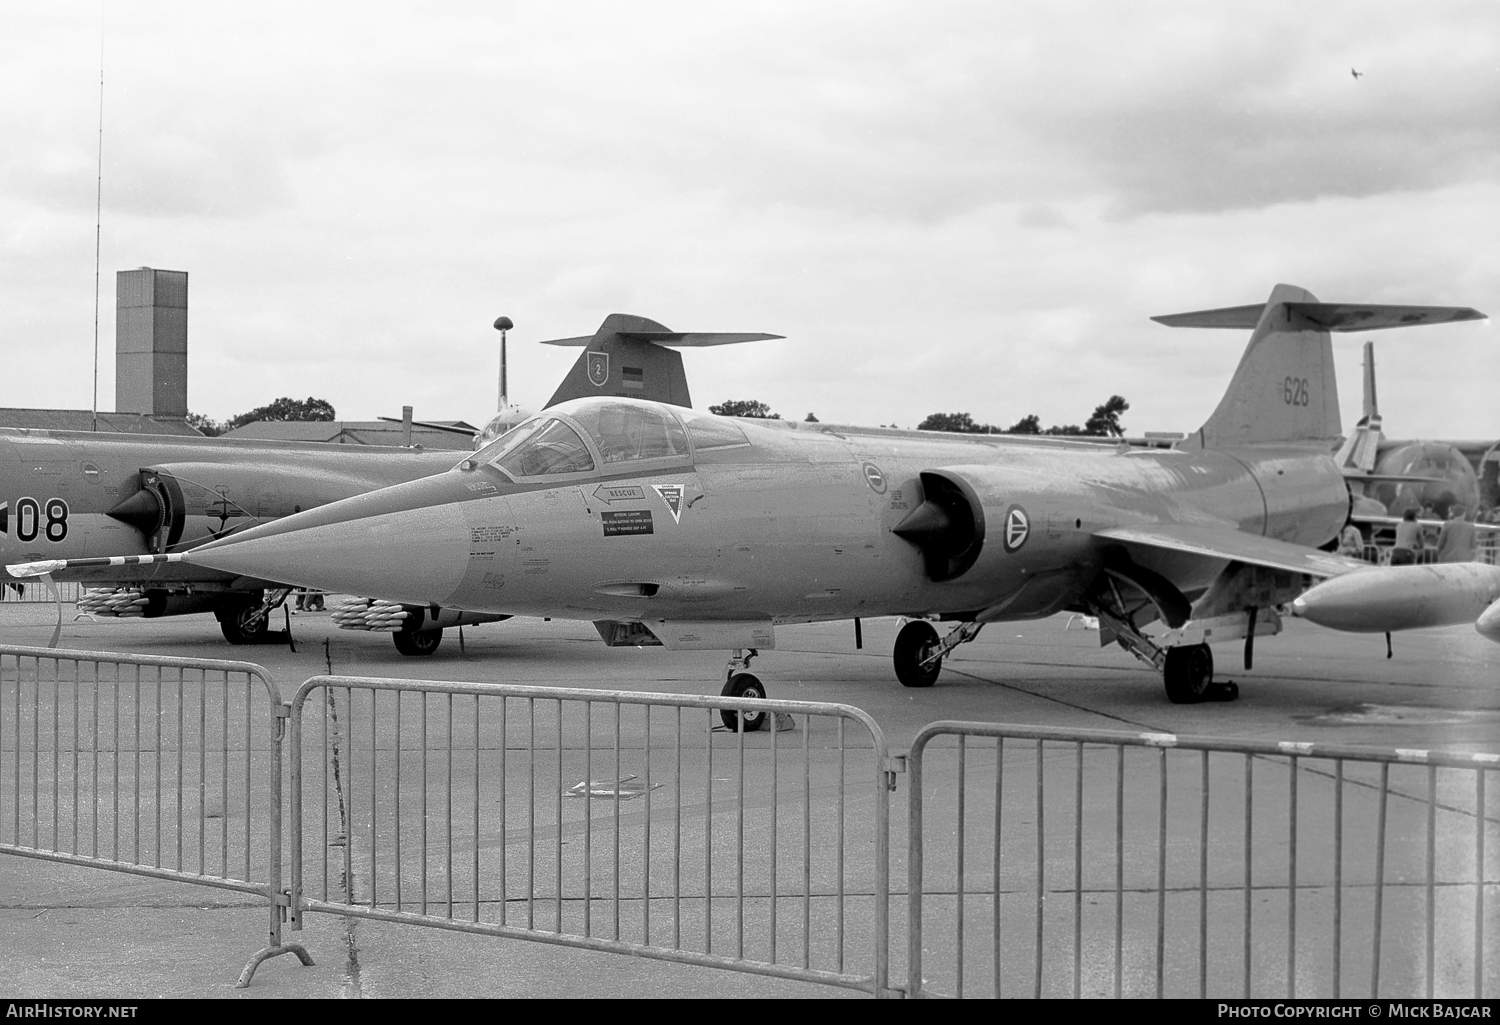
{"x": 1488, "y": 548}
{"x": 162, "y": 767}
{"x": 614, "y": 821}
{"x": 1092, "y": 863}
{"x": 35, "y": 592}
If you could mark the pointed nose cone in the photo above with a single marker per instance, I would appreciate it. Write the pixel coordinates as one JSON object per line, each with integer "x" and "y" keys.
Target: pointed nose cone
{"x": 1489, "y": 623}
{"x": 416, "y": 555}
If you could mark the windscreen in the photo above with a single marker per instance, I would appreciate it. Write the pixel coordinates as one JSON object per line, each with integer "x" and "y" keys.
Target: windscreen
{"x": 540, "y": 448}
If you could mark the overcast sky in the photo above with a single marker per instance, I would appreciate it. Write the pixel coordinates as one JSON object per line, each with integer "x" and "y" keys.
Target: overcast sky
{"x": 943, "y": 206}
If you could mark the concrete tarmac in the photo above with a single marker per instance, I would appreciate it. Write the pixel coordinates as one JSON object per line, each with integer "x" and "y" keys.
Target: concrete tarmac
{"x": 76, "y": 932}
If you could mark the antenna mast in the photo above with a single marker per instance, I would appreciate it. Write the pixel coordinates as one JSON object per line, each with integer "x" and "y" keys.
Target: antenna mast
{"x": 503, "y": 324}
{"x": 98, "y": 220}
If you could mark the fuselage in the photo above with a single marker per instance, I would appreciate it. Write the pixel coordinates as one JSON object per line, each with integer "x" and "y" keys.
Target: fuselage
{"x": 58, "y": 488}
{"x": 782, "y": 523}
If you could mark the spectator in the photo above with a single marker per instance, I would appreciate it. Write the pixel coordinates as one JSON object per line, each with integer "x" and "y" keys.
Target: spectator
{"x": 1456, "y": 542}
{"x": 1408, "y": 540}
{"x": 1352, "y": 542}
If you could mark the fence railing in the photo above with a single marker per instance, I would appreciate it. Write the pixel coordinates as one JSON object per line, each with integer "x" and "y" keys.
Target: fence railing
{"x": 1041, "y": 862}
{"x": 153, "y": 766}
{"x": 36, "y": 592}
{"x": 1098, "y": 863}
{"x": 617, "y": 821}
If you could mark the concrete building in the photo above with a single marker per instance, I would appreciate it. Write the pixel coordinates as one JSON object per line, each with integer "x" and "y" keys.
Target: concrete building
{"x": 151, "y": 313}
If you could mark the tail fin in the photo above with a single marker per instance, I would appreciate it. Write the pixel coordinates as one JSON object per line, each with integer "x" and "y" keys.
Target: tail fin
{"x": 1284, "y": 388}
{"x": 1362, "y": 446}
{"x": 627, "y": 357}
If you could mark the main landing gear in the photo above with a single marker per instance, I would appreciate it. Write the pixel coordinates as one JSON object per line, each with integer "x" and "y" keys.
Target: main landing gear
{"x": 919, "y": 653}
{"x": 740, "y": 684}
{"x": 1187, "y": 670}
{"x": 249, "y": 623}
{"x": 417, "y": 644}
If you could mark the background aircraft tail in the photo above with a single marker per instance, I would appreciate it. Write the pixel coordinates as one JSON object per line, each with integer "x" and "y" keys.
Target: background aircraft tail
{"x": 628, "y": 357}
{"x": 1284, "y": 388}
{"x": 1362, "y": 446}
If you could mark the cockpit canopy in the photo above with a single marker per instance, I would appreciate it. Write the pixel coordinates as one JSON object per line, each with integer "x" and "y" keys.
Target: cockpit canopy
{"x": 606, "y": 435}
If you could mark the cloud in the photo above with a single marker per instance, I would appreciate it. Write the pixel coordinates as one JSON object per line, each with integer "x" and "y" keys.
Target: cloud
{"x": 357, "y": 200}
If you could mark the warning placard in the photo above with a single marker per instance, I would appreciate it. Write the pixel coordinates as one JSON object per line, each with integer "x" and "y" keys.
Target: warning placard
{"x": 630, "y": 521}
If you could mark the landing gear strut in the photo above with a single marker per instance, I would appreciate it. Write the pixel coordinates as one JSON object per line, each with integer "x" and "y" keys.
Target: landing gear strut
{"x": 919, "y": 654}
{"x": 1187, "y": 670}
{"x": 740, "y": 684}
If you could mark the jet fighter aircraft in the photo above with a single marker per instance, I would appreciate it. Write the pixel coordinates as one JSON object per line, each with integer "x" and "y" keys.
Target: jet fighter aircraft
{"x": 664, "y": 525}
{"x": 68, "y": 496}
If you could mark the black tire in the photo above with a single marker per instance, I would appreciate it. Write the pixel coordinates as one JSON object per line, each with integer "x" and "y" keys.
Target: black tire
{"x": 234, "y": 622}
{"x": 913, "y": 644}
{"x": 418, "y": 645}
{"x": 743, "y": 685}
{"x": 1188, "y": 673}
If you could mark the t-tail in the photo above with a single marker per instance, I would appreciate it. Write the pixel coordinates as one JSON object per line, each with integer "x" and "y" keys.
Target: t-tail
{"x": 628, "y": 357}
{"x": 1284, "y": 389}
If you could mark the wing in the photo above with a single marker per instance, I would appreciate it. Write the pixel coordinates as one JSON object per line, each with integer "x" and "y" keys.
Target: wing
{"x": 1228, "y": 545}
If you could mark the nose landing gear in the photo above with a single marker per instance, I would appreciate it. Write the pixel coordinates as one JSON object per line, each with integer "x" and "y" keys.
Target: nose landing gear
{"x": 740, "y": 684}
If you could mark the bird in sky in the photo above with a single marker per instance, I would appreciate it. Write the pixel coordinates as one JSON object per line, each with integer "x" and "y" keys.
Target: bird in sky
{"x": 1357, "y": 74}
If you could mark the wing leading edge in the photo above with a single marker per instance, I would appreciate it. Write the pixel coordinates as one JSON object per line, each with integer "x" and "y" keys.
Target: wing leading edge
{"x": 1228, "y": 545}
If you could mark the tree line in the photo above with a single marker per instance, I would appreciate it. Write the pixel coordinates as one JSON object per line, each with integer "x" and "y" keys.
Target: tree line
{"x": 282, "y": 409}
{"x": 1104, "y": 422}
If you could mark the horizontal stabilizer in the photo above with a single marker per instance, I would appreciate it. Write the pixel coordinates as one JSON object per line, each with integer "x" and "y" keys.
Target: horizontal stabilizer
{"x": 677, "y": 339}
{"x": 633, "y": 357}
{"x": 1234, "y": 546}
{"x": 1359, "y": 477}
{"x": 1328, "y": 316}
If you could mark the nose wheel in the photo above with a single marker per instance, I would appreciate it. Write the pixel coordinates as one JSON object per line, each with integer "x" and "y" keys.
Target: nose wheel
{"x": 740, "y": 684}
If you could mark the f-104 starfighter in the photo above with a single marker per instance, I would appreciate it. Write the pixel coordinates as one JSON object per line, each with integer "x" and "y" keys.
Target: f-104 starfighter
{"x": 665, "y": 525}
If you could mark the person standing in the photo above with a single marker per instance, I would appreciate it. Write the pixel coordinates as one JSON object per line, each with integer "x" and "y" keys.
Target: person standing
{"x": 1352, "y": 542}
{"x": 1408, "y": 539}
{"x": 1456, "y": 542}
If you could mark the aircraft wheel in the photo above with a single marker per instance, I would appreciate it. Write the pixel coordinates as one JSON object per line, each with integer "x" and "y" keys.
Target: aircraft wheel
{"x": 743, "y": 685}
{"x": 1189, "y": 673}
{"x": 913, "y": 644}
{"x": 418, "y": 644}
{"x": 235, "y": 623}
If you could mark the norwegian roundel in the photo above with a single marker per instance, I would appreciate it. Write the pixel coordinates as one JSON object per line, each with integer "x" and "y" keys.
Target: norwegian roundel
{"x": 1017, "y": 528}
